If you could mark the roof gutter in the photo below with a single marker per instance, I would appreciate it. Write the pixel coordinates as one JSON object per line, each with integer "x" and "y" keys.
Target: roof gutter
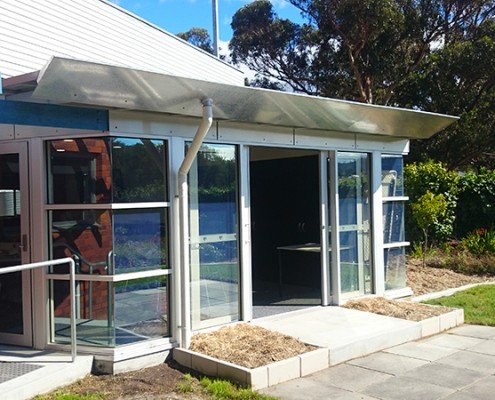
{"x": 203, "y": 128}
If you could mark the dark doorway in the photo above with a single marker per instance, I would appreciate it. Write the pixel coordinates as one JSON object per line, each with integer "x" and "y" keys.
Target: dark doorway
{"x": 285, "y": 220}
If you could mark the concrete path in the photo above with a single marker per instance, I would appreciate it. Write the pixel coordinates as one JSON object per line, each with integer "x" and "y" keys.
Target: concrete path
{"x": 457, "y": 365}
{"x": 347, "y": 333}
{"x": 25, "y": 373}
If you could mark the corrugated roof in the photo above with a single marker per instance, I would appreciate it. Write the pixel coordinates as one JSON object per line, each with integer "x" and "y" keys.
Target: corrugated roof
{"x": 67, "y": 81}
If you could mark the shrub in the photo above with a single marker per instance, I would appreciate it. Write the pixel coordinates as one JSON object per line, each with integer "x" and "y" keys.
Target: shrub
{"x": 426, "y": 211}
{"x": 476, "y": 203}
{"x": 480, "y": 242}
{"x": 433, "y": 177}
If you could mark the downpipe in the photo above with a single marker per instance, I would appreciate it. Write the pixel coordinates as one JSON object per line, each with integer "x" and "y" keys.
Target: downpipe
{"x": 203, "y": 128}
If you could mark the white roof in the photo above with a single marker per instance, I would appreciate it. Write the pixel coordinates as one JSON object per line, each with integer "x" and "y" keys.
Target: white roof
{"x": 66, "y": 81}
{"x": 32, "y": 31}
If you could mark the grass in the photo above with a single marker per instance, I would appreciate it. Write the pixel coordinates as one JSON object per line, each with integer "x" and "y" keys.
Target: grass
{"x": 219, "y": 389}
{"x": 478, "y": 304}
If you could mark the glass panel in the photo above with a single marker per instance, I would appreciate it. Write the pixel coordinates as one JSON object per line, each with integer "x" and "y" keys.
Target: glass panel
{"x": 93, "y": 313}
{"x": 84, "y": 233}
{"x": 83, "y": 171}
{"x": 214, "y": 236}
{"x": 79, "y": 171}
{"x": 392, "y": 175}
{"x": 140, "y": 241}
{"x": 395, "y": 268}
{"x": 354, "y": 220}
{"x": 11, "y": 316}
{"x": 139, "y": 170}
{"x": 113, "y": 314}
{"x": 141, "y": 308}
{"x": 393, "y": 222}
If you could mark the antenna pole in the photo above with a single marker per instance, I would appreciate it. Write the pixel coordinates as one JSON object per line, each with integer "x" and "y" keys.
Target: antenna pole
{"x": 214, "y": 5}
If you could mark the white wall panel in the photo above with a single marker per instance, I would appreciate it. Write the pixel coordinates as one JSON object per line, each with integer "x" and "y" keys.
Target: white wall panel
{"x": 31, "y": 31}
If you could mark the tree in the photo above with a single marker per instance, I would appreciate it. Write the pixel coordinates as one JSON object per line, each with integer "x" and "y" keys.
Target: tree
{"x": 198, "y": 37}
{"x": 427, "y": 210}
{"x": 432, "y": 55}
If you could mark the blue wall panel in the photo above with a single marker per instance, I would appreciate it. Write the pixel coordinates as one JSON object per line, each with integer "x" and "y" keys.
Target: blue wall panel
{"x": 22, "y": 113}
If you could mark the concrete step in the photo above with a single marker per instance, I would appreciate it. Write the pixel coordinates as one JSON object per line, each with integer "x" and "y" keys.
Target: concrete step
{"x": 26, "y": 379}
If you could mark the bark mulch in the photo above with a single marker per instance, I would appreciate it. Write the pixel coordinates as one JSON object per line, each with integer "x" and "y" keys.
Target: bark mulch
{"x": 424, "y": 280}
{"x": 397, "y": 309}
{"x": 248, "y": 345}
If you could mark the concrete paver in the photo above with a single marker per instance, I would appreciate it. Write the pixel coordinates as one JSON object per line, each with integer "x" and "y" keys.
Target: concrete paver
{"x": 470, "y": 360}
{"x": 482, "y": 389}
{"x": 486, "y": 347}
{"x": 388, "y": 363}
{"x": 400, "y": 388}
{"x": 453, "y": 341}
{"x": 349, "y": 377}
{"x": 459, "y": 365}
{"x": 422, "y": 351}
{"x": 477, "y": 331}
{"x": 445, "y": 375}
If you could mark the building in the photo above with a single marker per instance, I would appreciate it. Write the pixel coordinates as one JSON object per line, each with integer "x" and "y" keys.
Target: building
{"x": 186, "y": 199}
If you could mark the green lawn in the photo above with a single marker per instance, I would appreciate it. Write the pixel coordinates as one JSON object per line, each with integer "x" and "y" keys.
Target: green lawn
{"x": 478, "y": 304}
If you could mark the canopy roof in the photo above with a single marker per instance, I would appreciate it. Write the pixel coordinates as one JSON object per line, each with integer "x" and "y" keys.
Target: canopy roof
{"x": 68, "y": 81}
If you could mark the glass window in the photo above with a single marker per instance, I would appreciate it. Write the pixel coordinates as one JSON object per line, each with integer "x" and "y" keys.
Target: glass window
{"x": 87, "y": 234}
{"x": 354, "y": 222}
{"x": 111, "y": 314}
{"x": 393, "y": 222}
{"x": 214, "y": 236}
{"x": 140, "y": 241}
{"x": 79, "y": 171}
{"x": 395, "y": 268}
{"x": 392, "y": 175}
{"x": 139, "y": 170}
{"x": 122, "y": 170}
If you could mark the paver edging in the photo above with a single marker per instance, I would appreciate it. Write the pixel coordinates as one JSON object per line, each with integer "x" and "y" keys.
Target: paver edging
{"x": 432, "y": 326}
{"x": 257, "y": 378}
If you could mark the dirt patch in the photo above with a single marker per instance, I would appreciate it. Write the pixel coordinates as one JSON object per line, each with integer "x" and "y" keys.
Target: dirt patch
{"x": 424, "y": 280}
{"x": 159, "y": 382}
{"x": 248, "y": 345}
{"x": 397, "y": 309}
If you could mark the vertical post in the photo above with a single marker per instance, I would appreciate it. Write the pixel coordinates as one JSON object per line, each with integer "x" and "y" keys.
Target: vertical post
{"x": 245, "y": 239}
{"x": 214, "y": 5}
{"x": 377, "y": 224}
{"x": 334, "y": 223}
{"x": 73, "y": 334}
{"x": 324, "y": 244}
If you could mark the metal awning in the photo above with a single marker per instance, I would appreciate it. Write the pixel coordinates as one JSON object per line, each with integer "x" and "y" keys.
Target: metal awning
{"x": 68, "y": 81}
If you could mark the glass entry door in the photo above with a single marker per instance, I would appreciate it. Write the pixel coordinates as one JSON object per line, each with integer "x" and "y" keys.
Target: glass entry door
{"x": 15, "y": 290}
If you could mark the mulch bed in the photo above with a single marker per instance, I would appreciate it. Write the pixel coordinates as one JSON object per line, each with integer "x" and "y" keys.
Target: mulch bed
{"x": 159, "y": 382}
{"x": 397, "y": 309}
{"x": 424, "y": 280}
{"x": 248, "y": 345}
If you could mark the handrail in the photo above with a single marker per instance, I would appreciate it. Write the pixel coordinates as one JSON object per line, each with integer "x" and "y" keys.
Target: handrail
{"x": 72, "y": 273}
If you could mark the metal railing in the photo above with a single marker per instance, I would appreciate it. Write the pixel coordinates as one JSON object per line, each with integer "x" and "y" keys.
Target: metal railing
{"x": 72, "y": 275}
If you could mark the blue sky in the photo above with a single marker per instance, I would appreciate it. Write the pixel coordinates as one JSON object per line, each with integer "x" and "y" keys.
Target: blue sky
{"x": 180, "y": 15}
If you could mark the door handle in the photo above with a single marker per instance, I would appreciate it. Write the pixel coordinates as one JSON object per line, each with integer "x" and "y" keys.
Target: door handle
{"x": 24, "y": 243}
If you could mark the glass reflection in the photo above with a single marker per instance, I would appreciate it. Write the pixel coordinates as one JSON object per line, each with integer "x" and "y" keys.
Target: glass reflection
{"x": 79, "y": 171}
{"x": 354, "y": 222}
{"x": 395, "y": 268}
{"x": 214, "y": 236}
{"x": 140, "y": 241}
{"x": 138, "y": 167}
{"x": 392, "y": 175}
{"x": 393, "y": 222}
{"x": 117, "y": 314}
